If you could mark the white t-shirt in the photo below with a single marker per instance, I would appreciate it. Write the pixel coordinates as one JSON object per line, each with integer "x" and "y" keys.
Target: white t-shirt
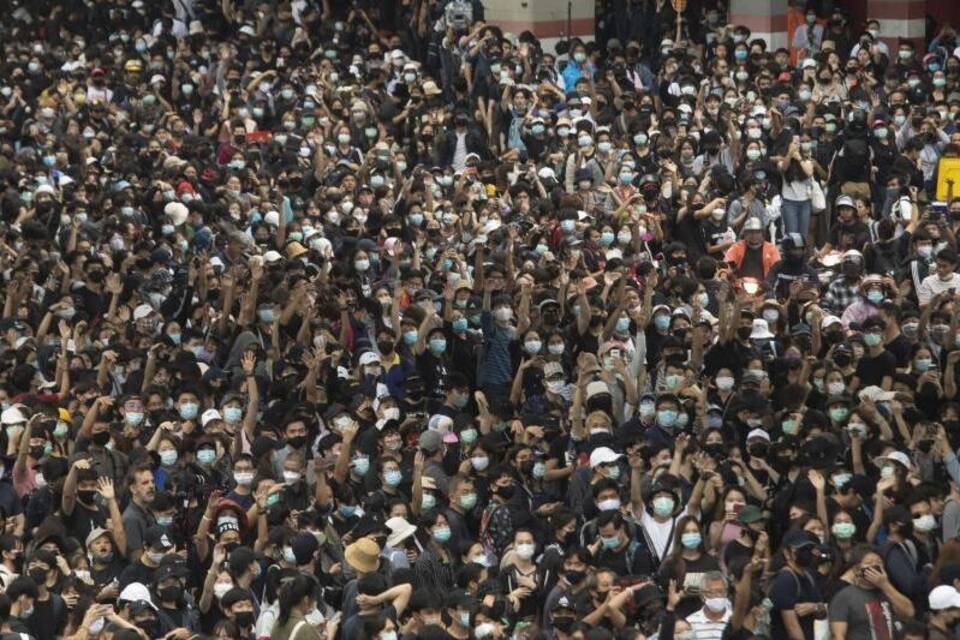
{"x": 660, "y": 533}
{"x": 460, "y": 152}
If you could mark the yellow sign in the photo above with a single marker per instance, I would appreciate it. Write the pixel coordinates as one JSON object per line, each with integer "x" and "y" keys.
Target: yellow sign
{"x": 948, "y": 179}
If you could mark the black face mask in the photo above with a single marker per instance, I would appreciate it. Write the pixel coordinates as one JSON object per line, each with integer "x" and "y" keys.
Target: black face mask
{"x": 297, "y": 441}
{"x": 564, "y": 623}
{"x": 841, "y": 359}
{"x": 86, "y": 496}
{"x": 38, "y": 575}
{"x": 759, "y": 450}
{"x": 36, "y": 452}
{"x": 101, "y": 438}
{"x": 715, "y": 450}
{"x": 244, "y": 619}
{"x": 173, "y": 593}
{"x": 804, "y": 556}
{"x": 744, "y": 332}
{"x": 834, "y": 336}
{"x": 783, "y": 463}
{"x": 506, "y": 492}
{"x": 574, "y": 577}
{"x": 385, "y": 346}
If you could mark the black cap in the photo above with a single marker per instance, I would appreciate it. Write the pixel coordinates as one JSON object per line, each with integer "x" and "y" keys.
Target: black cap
{"x": 304, "y": 546}
{"x": 234, "y": 596}
{"x": 157, "y": 537}
{"x": 170, "y": 570}
{"x": 800, "y": 539}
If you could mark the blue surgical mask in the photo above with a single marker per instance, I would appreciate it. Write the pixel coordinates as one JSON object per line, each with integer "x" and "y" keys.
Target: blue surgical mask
{"x": 361, "y": 465}
{"x": 610, "y": 543}
{"x": 206, "y": 456}
{"x": 667, "y": 417}
{"x": 188, "y": 410}
{"x": 232, "y": 415}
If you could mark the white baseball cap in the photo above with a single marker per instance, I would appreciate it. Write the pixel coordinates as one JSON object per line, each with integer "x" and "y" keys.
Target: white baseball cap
{"x": 208, "y": 415}
{"x": 142, "y": 311}
{"x": 898, "y": 456}
{"x": 603, "y": 455}
{"x": 136, "y": 592}
{"x": 944, "y": 597}
{"x": 368, "y": 357}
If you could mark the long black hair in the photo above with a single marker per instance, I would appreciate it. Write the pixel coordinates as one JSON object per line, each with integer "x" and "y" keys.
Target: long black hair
{"x": 292, "y": 592}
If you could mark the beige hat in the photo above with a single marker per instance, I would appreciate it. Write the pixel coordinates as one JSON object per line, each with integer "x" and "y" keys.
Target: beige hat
{"x": 363, "y": 555}
{"x": 400, "y": 530}
{"x": 295, "y": 250}
{"x": 177, "y": 212}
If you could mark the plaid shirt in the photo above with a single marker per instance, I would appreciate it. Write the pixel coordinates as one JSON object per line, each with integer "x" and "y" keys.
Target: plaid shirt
{"x": 841, "y": 295}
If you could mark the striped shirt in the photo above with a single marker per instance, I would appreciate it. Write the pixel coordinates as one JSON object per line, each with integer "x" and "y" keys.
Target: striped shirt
{"x": 706, "y": 629}
{"x": 495, "y": 367}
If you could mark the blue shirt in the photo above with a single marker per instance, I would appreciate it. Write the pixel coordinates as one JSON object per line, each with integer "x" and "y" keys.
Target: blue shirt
{"x": 572, "y": 73}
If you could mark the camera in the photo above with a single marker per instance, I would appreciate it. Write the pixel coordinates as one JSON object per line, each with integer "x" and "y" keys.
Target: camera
{"x": 458, "y": 15}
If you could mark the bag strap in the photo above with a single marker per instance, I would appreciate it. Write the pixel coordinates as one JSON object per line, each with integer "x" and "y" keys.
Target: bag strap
{"x": 296, "y": 628}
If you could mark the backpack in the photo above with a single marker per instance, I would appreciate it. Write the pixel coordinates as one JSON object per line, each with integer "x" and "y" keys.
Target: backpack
{"x": 853, "y": 163}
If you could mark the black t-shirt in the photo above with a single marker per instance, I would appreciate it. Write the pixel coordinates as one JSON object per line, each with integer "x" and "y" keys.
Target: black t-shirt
{"x": 632, "y": 560}
{"x": 9, "y": 502}
{"x": 432, "y": 371}
{"x": 859, "y": 231}
{"x": 787, "y": 591}
{"x": 901, "y": 349}
{"x": 84, "y": 520}
{"x": 689, "y": 576}
{"x": 688, "y": 232}
{"x": 137, "y": 572}
{"x": 872, "y": 370}
{"x": 113, "y": 570}
{"x": 752, "y": 265}
{"x": 49, "y": 618}
{"x": 713, "y": 234}
{"x": 735, "y": 549}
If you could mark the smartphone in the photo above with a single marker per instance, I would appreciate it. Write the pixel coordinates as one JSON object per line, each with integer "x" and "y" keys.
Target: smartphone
{"x": 738, "y": 507}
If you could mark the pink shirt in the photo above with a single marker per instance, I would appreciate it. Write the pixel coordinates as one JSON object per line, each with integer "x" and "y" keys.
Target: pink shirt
{"x": 24, "y": 479}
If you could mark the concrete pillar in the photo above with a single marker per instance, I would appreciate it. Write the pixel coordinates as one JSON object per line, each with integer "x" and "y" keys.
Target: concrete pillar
{"x": 899, "y": 20}
{"x": 766, "y": 19}
{"x": 547, "y": 19}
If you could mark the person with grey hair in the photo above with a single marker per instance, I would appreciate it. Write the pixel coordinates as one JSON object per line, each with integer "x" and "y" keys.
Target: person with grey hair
{"x": 709, "y": 622}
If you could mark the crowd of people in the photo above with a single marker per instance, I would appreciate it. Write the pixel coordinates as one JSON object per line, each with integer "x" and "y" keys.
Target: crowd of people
{"x": 372, "y": 321}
